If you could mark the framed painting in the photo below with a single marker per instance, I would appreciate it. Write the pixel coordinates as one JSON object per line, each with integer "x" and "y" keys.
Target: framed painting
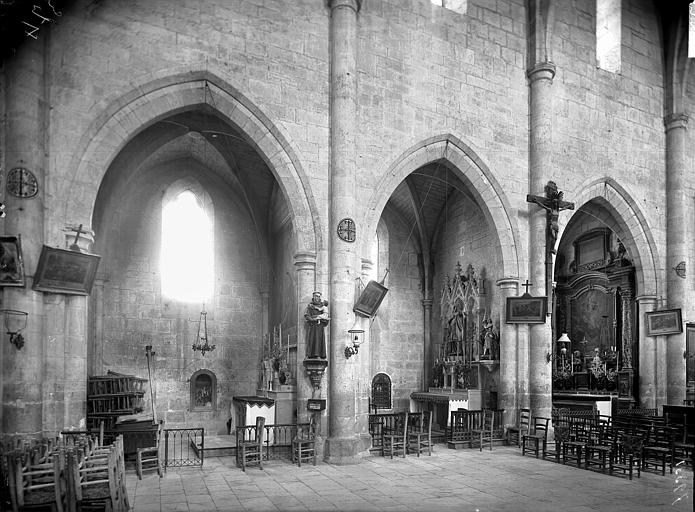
{"x": 526, "y": 310}
{"x": 370, "y": 299}
{"x": 11, "y": 263}
{"x": 63, "y": 271}
{"x": 666, "y": 321}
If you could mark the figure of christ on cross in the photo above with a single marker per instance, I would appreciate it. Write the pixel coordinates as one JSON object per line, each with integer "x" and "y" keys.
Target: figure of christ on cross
{"x": 553, "y": 203}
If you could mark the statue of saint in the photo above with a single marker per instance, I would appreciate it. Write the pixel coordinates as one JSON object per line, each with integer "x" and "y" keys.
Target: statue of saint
{"x": 317, "y": 319}
{"x": 489, "y": 340}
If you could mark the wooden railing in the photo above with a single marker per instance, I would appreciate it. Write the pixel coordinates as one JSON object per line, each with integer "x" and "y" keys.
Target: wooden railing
{"x": 277, "y": 439}
{"x": 464, "y": 422}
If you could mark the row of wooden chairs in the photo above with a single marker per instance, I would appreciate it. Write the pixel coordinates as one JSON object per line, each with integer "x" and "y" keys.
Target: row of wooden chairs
{"x": 64, "y": 475}
{"x": 626, "y": 444}
{"x": 410, "y": 433}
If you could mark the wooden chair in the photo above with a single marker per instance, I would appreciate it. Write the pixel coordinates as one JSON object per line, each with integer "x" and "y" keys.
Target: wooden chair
{"x": 575, "y": 448}
{"x": 485, "y": 433}
{"x": 149, "y": 458}
{"x": 304, "y": 445}
{"x": 599, "y": 452}
{"x": 628, "y": 455}
{"x": 658, "y": 449}
{"x": 562, "y": 435}
{"x": 395, "y": 439}
{"x": 96, "y": 482}
{"x": 522, "y": 427}
{"x": 536, "y": 440}
{"x": 250, "y": 451}
{"x": 420, "y": 437}
{"x": 36, "y": 485}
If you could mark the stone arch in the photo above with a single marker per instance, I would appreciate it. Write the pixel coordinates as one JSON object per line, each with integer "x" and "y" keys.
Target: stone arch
{"x": 626, "y": 219}
{"x": 148, "y": 102}
{"x": 467, "y": 164}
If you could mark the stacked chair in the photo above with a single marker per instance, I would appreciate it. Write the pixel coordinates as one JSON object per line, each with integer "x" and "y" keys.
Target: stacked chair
{"x": 66, "y": 475}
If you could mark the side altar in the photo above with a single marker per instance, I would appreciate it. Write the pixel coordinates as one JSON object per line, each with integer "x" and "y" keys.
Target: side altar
{"x": 466, "y": 369}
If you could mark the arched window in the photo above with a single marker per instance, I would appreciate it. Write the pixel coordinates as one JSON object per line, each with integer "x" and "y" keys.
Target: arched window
{"x": 187, "y": 251}
{"x": 381, "y": 391}
{"x": 608, "y": 34}
{"x": 203, "y": 391}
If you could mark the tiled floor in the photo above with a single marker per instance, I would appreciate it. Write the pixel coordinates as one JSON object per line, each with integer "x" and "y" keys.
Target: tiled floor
{"x": 461, "y": 480}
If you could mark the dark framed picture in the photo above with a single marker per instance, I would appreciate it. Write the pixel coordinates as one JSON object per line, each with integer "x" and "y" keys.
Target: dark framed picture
{"x": 370, "y": 299}
{"x": 526, "y": 310}
{"x": 11, "y": 263}
{"x": 666, "y": 321}
{"x": 63, "y": 271}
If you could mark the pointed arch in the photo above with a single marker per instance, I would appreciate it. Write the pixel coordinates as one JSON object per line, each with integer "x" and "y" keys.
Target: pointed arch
{"x": 150, "y": 101}
{"x": 467, "y": 164}
{"x": 626, "y": 219}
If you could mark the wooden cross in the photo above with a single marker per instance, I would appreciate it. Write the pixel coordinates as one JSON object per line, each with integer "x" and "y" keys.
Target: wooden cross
{"x": 526, "y": 285}
{"x": 553, "y": 203}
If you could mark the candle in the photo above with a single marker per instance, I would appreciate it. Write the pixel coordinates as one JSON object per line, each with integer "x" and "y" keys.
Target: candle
{"x": 288, "y": 349}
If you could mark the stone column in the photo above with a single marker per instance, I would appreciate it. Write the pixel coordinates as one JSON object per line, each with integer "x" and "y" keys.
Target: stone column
{"x": 676, "y": 248}
{"x": 540, "y": 165}
{"x": 343, "y": 445}
{"x": 427, "y": 348}
{"x": 305, "y": 264}
{"x": 507, "y": 397}
{"x": 647, "y": 355}
{"x": 23, "y": 372}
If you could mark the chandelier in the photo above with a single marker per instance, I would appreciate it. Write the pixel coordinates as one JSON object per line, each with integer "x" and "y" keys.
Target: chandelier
{"x": 201, "y": 341}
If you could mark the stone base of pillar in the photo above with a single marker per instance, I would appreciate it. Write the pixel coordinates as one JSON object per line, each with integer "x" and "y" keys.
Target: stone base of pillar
{"x": 347, "y": 450}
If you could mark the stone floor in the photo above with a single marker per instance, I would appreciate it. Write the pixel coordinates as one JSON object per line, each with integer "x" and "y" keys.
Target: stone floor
{"x": 461, "y": 480}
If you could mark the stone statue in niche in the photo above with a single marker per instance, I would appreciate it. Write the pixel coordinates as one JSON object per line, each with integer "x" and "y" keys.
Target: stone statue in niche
{"x": 317, "y": 319}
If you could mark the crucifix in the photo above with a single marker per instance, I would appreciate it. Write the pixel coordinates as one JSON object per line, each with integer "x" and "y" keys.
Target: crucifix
{"x": 526, "y": 286}
{"x": 553, "y": 203}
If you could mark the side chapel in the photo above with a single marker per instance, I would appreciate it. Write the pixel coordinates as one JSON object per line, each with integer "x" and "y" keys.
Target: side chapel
{"x": 313, "y": 211}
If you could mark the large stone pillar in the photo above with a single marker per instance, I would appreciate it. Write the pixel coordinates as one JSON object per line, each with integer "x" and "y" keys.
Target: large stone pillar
{"x": 507, "y": 392}
{"x": 647, "y": 354}
{"x": 23, "y": 372}
{"x": 676, "y": 249}
{"x": 305, "y": 264}
{"x": 540, "y": 166}
{"x": 343, "y": 445}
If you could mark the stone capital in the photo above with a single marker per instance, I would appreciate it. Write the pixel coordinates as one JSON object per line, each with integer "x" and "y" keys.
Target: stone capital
{"x": 646, "y": 299}
{"x": 672, "y": 121}
{"x": 305, "y": 260}
{"x": 427, "y": 303}
{"x": 350, "y": 4}
{"x": 541, "y": 71}
{"x": 508, "y": 282}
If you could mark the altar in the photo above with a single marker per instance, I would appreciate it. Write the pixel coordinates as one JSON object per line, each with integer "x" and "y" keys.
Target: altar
{"x": 246, "y": 409}
{"x": 466, "y": 369}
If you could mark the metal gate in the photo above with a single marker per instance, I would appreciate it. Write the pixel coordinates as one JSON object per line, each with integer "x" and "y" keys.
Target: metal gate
{"x": 184, "y": 447}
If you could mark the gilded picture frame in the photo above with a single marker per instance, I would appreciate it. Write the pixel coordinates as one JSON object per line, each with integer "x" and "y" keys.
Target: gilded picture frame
{"x": 526, "y": 310}
{"x": 63, "y": 271}
{"x": 663, "y": 322}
